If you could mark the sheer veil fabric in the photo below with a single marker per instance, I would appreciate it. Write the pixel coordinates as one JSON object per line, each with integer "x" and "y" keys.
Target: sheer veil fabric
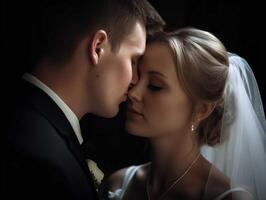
{"x": 241, "y": 153}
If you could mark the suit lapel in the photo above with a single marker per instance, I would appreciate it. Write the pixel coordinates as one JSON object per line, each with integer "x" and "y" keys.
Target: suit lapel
{"x": 49, "y": 109}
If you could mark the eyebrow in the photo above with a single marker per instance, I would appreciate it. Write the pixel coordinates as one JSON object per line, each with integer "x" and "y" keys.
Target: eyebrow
{"x": 156, "y": 73}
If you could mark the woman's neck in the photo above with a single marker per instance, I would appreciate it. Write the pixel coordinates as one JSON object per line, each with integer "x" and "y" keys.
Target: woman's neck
{"x": 170, "y": 159}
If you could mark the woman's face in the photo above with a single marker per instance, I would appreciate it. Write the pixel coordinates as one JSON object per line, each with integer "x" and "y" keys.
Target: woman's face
{"x": 158, "y": 105}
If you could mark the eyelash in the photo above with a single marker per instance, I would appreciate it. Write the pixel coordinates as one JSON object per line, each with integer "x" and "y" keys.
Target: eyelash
{"x": 154, "y": 88}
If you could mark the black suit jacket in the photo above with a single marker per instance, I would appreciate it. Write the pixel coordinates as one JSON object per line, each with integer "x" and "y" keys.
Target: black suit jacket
{"x": 42, "y": 158}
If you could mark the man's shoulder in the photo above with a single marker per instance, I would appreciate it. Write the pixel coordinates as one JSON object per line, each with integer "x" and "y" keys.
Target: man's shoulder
{"x": 29, "y": 131}
{"x": 25, "y": 116}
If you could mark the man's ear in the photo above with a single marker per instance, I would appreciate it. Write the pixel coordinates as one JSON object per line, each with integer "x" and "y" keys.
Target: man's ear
{"x": 97, "y": 45}
{"x": 203, "y": 110}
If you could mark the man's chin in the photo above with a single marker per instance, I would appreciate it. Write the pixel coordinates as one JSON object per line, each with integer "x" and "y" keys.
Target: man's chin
{"x": 111, "y": 113}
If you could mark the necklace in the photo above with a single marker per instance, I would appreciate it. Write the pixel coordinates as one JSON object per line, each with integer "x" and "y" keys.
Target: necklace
{"x": 174, "y": 182}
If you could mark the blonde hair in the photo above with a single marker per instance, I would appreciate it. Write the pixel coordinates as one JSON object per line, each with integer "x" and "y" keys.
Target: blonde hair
{"x": 202, "y": 67}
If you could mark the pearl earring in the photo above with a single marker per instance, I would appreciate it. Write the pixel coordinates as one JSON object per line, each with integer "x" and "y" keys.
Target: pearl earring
{"x": 192, "y": 128}
{"x": 99, "y": 51}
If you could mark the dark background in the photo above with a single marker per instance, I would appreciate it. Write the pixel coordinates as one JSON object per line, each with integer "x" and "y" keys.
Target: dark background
{"x": 237, "y": 24}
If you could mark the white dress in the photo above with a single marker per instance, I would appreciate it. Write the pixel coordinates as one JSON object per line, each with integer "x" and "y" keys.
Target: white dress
{"x": 129, "y": 174}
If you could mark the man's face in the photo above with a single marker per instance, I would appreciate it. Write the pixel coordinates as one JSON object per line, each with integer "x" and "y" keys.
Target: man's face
{"x": 117, "y": 70}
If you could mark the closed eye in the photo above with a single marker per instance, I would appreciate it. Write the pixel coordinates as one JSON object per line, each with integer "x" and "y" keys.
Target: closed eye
{"x": 154, "y": 87}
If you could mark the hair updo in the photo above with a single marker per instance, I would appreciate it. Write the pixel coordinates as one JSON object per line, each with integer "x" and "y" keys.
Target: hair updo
{"x": 202, "y": 67}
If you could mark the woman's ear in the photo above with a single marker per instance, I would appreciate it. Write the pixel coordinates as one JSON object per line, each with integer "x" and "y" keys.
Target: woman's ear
{"x": 203, "y": 110}
{"x": 97, "y": 45}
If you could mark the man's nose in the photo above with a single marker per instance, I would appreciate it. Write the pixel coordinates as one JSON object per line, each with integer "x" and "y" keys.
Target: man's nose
{"x": 135, "y": 76}
{"x": 135, "y": 92}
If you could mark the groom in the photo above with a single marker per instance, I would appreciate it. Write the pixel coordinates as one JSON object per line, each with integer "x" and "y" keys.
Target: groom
{"x": 85, "y": 65}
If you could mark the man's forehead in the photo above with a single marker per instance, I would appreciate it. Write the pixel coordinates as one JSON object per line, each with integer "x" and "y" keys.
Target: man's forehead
{"x": 137, "y": 37}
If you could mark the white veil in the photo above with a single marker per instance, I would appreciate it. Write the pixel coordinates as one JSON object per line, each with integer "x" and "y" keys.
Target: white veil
{"x": 241, "y": 154}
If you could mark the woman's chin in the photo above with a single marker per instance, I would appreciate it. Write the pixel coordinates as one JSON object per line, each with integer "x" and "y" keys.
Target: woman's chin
{"x": 133, "y": 129}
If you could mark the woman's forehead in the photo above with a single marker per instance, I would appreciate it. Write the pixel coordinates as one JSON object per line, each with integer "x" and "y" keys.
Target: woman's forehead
{"x": 157, "y": 57}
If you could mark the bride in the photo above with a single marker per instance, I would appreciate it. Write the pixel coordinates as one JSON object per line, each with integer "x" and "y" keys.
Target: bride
{"x": 202, "y": 112}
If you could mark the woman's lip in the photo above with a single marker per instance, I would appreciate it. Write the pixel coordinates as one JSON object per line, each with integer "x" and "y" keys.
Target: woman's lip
{"x": 124, "y": 97}
{"x": 134, "y": 111}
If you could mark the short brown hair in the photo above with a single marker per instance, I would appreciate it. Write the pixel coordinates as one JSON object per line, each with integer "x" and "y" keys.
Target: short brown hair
{"x": 63, "y": 23}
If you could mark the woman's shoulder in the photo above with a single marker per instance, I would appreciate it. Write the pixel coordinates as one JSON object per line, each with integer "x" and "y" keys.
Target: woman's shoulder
{"x": 217, "y": 183}
{"x": 219, "y": 187}
{"x": 119, "y": 180}
{"x": 112, "y": 182}
{"x": 217, "y": 177}
{"x": 115, "y": 180}
{"x": 236, "y": 193}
